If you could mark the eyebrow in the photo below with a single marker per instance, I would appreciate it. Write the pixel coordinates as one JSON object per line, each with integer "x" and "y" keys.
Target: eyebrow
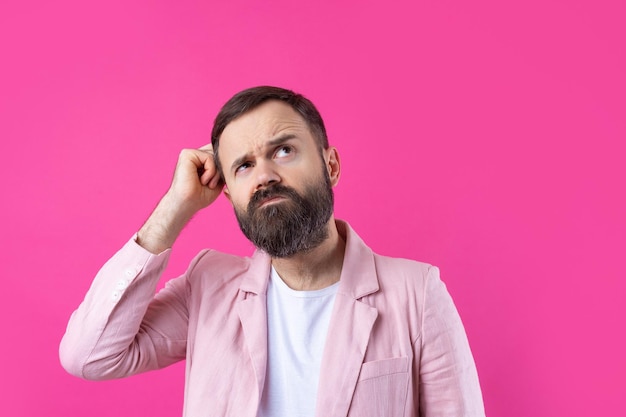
{"x": 270, "y": 144}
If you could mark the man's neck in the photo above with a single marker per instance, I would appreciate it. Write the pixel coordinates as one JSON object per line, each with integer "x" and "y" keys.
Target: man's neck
{"x": 317, "y": 268}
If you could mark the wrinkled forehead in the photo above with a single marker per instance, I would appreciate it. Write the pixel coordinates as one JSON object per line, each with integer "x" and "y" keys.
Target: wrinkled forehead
{"x": 251, "y": 131}
{"x": 265, "y": 120}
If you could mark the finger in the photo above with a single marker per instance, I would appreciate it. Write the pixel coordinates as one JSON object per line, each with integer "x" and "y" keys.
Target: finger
{"x": 208, "y": 171}
{"x": 210, "y": 176}
{"x": 216, "y": 180}
{"x": 195, "y": 157}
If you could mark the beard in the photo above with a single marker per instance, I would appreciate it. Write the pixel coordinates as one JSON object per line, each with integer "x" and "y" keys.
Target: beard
{"x": 294, "y": 225}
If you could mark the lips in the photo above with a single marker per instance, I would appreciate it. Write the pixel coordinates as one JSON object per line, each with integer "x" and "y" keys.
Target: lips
{"x": 271, "y": 195}
{"x": 266, "y": 197}
{"x": 271, "y": 200}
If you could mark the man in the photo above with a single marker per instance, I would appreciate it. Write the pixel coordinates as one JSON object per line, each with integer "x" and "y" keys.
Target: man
{"x": 313, "y": 324}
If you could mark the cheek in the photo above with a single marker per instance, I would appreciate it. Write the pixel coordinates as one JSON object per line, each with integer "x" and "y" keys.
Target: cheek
{"x": 236, "y": 193}
{"x": 239, "y": 201}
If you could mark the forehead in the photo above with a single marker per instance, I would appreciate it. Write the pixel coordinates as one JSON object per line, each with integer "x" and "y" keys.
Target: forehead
{"x": 252, "y": 129}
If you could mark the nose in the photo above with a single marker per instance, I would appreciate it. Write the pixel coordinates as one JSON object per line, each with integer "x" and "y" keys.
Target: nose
{"x": 266, "y": 175}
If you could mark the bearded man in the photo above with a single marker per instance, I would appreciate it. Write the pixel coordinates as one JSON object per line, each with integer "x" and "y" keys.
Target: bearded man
{"x": 313, "y": 324}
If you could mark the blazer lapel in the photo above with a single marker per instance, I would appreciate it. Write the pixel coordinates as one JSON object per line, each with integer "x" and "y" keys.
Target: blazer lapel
{"x": 349, "y": 329}
{"x": 346, "y": 343}
{"x": 252, "y": 310}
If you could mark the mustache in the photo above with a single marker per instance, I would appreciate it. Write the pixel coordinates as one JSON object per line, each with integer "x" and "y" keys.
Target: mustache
{"x": 274, "y": 190}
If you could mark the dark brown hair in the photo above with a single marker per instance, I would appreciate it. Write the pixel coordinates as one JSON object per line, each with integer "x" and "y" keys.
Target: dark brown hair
{"x": 249, "y": 99}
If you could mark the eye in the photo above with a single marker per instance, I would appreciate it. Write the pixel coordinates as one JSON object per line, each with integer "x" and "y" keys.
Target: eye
{"x": 243, "y": 167}
{"x": 283, "y": 151}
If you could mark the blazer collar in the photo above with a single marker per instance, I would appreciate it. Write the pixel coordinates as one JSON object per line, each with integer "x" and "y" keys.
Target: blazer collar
{"x": 256, "y": 277}
{"x": 358, "y": 273}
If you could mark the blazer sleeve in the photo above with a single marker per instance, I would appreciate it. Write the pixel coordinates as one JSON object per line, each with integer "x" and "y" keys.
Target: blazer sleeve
{"x": 121, "y": 328}
{"x": 448, "y": 378}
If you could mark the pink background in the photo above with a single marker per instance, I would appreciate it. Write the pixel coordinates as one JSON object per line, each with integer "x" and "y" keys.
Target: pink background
{"x": 486, "y": 137}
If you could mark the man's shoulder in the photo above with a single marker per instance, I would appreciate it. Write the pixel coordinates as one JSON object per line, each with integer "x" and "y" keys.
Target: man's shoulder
{"x": 390, "y": 271}
{"x": 392, "y": 262}
{"x": 397, "y": 268}
{"x": 212, "y": 268}
{"x": 210, "y": 265}
{"x": 217, "y": 258}
{"x": 402, "y": 285}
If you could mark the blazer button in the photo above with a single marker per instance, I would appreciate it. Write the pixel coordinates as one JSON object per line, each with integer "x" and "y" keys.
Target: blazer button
{"x": 122, "y": 284}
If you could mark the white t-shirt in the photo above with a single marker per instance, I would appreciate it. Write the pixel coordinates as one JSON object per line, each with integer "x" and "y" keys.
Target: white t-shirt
{"x": 297, "y": 323}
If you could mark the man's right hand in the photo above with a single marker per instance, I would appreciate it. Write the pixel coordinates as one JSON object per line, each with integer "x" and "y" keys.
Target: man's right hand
{"x": 196, "y": 184}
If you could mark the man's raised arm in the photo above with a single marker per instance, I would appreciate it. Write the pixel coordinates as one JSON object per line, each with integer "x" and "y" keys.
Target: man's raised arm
{"x": 122, "y": 328}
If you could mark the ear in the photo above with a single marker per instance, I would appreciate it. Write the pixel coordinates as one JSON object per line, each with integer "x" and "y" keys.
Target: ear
{"x": 333, "y": 164}
{"x": 227, "y": 194}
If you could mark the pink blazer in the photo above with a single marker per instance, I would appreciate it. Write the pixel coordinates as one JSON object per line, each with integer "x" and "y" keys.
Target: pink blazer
{"x": 395, "y": 346}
